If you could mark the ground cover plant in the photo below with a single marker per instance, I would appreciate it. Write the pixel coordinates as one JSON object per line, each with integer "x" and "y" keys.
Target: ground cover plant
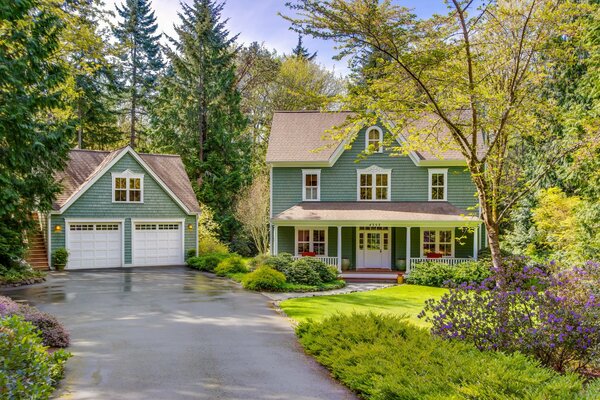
{"x": 207, "y": 262}
{"x": 551, "y": 315}
{"x": 17, "y": 275}
{"x": 28, "y": 370}
{"x": 403, "y": 300}
{"x": 386, "y": 357}
{"x": 438, "y": 274}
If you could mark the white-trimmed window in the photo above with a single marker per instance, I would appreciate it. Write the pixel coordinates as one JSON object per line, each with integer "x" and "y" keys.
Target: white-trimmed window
{"x": 128, "y": 187}
{"x": 311, "y": 240}
{"x": 374, "y": 139}
{"x": 311, "y": 185}
{"x": 438, "y": 184}
{"x": 437, "y": 241}
{"x": 373, "y": 184}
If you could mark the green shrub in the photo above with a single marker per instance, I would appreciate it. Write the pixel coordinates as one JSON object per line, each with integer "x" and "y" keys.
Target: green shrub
{"x": 60, "y": 258}
{"x": 231, "y": 265}
{"x": 207, "y": 262}
{"x": 20, "y": 275}
{"x": 385, "y": 357}
{"x": 210, "y": 245}
{"x": 302, "y": 272}
{"x": 190, "y": 253}
{"x": 327, "y": 273}
{"x": 28, "y": 371}
{"x": 264, "y": 278}
{"x": 433, "y": 273}
{"x": 258, "y": 261}
{"x": 280, "y": 262}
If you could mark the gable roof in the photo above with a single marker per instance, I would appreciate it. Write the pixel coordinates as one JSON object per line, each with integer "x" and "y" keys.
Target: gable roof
{"x": 297, "y": 138}
{"x": 84, "y": 166}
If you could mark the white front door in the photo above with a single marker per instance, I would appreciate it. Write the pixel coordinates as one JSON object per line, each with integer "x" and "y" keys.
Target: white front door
{"x": 94, "y": 245}
{"x": 374, "y": 248}
{"x": 157, "y": 243}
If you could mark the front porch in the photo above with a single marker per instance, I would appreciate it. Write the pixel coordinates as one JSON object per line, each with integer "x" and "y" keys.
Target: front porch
{"x": 371, "y": 236}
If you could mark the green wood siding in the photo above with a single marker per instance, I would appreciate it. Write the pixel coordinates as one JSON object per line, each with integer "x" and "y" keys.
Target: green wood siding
{"x": 338, "y": 183}
{"x": 96, "y": 202}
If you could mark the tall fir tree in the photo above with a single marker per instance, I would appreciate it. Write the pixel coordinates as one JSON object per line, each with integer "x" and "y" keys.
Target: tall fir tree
{"x": 140, "y": 61}
{"x": 33, "y": 131}
{"x": 302, "y": 52}
{"x": 198, "y": 113}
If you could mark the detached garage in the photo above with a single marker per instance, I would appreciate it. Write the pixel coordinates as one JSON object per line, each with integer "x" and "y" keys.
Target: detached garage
{"x": 121, "y": 209}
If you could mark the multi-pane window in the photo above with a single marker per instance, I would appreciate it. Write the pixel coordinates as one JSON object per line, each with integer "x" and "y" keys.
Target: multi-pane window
{"x": 437, "y": 184}
{"x": 374, "y": 140}
{"x": 374, "y": 186}
{"x": 127, "y": 188}
{"x": 311, "y": 241}
{"x": 437, "y": 241}
{"x": 310, "y": 185}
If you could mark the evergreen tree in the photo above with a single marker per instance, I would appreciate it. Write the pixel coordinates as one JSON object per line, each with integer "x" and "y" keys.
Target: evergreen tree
{"x": 34, "y": 137}
{"x": 140, "y": 59}
{"x": 302, "y": 52}
{"x": 198, "y": 114}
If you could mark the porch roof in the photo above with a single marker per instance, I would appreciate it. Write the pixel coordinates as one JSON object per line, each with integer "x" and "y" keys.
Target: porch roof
{"x": 354, "y": 212}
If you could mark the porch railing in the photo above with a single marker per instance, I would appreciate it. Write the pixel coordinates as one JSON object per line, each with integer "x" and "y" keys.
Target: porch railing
{"x": 449, "y": 261}
{"x": 327, "y": 260}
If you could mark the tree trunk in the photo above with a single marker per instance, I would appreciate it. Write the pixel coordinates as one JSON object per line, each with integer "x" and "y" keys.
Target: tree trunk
{"x": 80, "y": 128}
{"x": 488, "y": 216}
{"x": 132, "y": 133}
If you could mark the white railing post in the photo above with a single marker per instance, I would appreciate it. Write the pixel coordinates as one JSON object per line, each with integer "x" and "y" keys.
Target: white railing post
{"x": 275, "y": 240}
{"x": 475, "y": 243}
{"x": 407, "y": 249}
{"x": 339, "y": 248}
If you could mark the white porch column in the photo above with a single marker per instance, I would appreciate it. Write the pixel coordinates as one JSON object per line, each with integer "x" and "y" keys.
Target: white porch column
{"x": 339, "y": 248}
{"x": 408, "y": 249}
{"x": 275, "y": 240}
{"x": 475, "y": 242}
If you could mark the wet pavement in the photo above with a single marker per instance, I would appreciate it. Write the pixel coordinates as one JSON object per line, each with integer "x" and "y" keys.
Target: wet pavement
{"x": 175, "y": 333}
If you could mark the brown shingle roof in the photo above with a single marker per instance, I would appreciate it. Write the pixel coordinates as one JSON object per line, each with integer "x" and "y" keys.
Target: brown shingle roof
{"x": 368, "y": 212}
{"x": 297, "y": 136}
{"x": 84, "y": 165}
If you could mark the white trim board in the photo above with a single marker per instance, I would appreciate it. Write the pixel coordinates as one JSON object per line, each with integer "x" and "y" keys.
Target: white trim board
{"x": 316, "y": 172}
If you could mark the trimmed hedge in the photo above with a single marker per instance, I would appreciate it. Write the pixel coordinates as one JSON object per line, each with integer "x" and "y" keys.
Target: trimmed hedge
{"x": 386, "y": 357}
{"x": 28, "y": 370}
{"x": 438, "y": 274}
{"x": 264, "y": 278}
{"x": 280, "y": 262}
{"x": 52, "y": 332}
{"x": 207, "y": 262}
{"x": 231, "y": 265}
{"x": 302, "y": 272}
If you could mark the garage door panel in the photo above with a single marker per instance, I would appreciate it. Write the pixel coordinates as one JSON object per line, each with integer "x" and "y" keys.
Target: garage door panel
{"x": 94, "y": 245}
{"x": 157, "y": 243}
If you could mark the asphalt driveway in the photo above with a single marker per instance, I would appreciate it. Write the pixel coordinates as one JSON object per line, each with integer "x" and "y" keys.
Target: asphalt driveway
{"x": 174, "y": 333}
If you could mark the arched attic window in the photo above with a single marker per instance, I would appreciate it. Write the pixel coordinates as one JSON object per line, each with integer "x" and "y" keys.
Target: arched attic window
{"x": 374, "y": 139}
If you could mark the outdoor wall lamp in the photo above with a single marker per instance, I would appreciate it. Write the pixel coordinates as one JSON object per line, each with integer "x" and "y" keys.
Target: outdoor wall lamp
{"x": 57, "y": 228}
{"x": 190, "y": 227}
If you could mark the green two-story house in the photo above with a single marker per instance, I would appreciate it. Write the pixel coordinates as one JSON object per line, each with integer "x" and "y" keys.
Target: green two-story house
{"x": 122, "y": 208}
{"x": 360, "y": 207}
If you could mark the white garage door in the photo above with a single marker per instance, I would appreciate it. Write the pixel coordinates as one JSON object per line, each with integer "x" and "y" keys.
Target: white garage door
{"x": 94, "y": 245}
{"x": 157, "y": 243}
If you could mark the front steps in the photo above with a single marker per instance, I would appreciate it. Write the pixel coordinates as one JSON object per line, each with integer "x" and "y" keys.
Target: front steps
{"x": 371, "y": 275}
{"x": 37, "y": 256}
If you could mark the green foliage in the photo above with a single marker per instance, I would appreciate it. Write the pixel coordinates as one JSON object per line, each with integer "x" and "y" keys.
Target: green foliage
{"x": 190, "y": 253}
{"x": 60, "y": 257}
{"x": 301, "y": 288}
{"x": 327, "y": 273}
{"x": 33, "y": 131}
{"x": 264, "y": 279}
{"x": 386, "y": 357}
{"x": 28, "y": 371}
{"x": 232, "y": 265}
{"x": 438, "y": 274}
{"x": 280, "y": 262}
{"x": 207, "y": 262}
{"x": 140, "y": 61}
{"x": 18, "y": 274}
{"x": 198, "y": 112}
{"x": 302, "y": 272}
{"x": 210, "y": 245}
{"x": 258, "y": 261}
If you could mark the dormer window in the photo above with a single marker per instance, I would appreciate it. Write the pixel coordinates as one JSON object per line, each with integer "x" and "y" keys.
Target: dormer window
{"x": 311, "y": 185}
{"x": 128, "y": 187}
{"x": 374, "y": 140}
{"x": 438, "y": 184}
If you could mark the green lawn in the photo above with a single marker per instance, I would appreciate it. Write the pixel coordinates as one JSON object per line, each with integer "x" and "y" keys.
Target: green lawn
{"x": 404, "y": 299}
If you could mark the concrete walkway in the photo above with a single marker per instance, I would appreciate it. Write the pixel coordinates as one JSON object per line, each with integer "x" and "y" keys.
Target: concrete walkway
{"x": 174, "y": 333}
{"x": 350, "y": 288}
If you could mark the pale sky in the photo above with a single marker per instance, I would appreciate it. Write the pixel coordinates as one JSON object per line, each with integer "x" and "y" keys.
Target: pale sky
{"x": 257, "y": 21}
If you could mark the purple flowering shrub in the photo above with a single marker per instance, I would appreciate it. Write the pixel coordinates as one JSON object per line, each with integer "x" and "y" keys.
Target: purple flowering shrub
{"x": 52, "y": 332}
{"x": 554, "y": 317}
